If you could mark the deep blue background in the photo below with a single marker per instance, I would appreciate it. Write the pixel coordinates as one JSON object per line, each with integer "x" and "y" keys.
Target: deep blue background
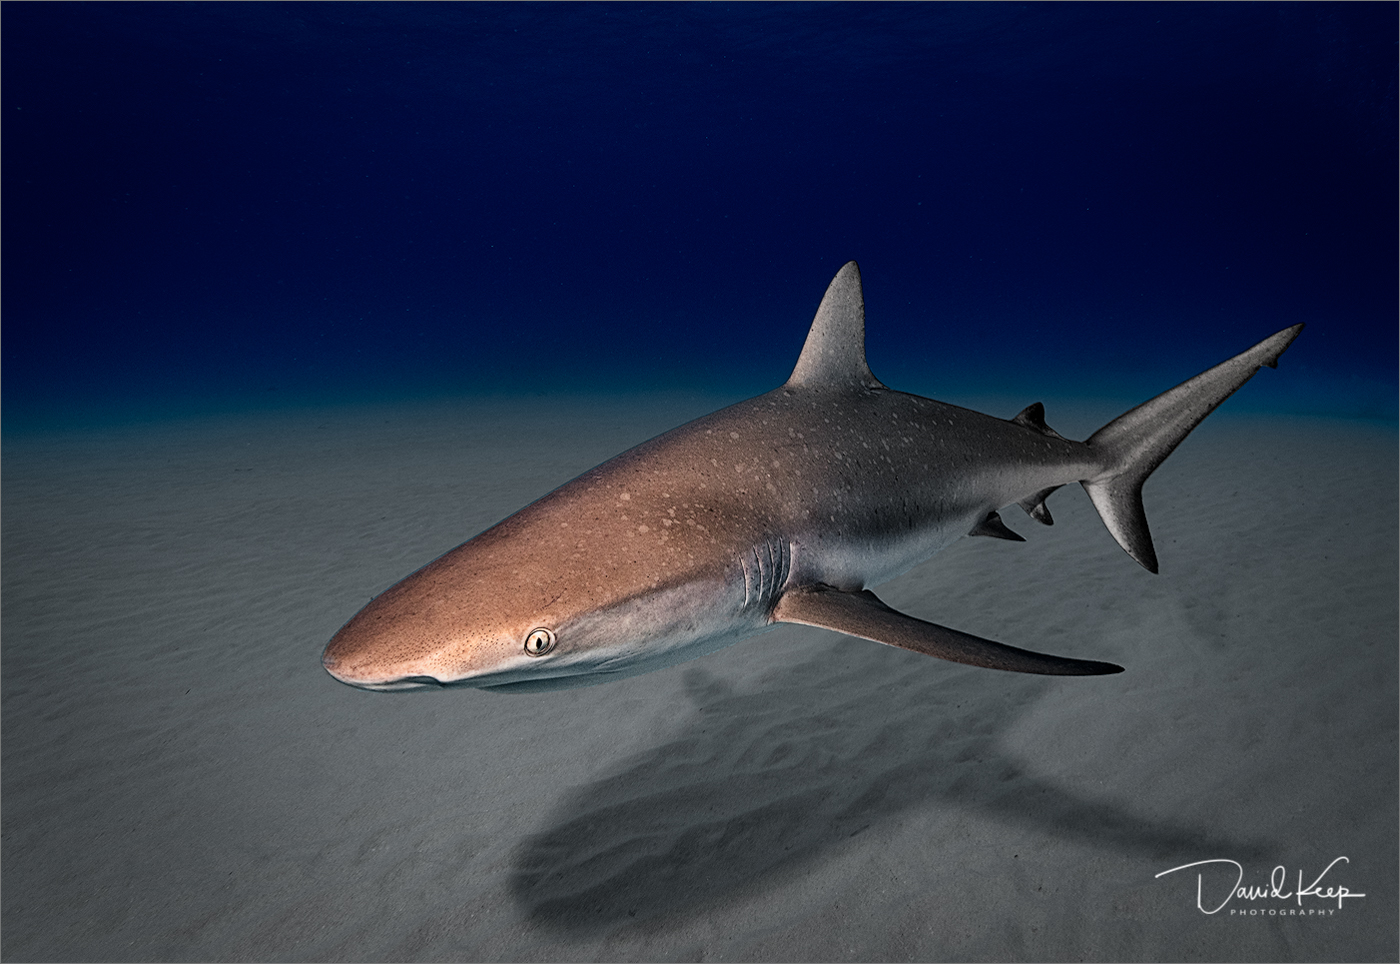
{"x": 249, "y": 204}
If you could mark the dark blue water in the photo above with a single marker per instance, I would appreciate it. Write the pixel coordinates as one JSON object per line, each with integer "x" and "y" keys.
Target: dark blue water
{"x": 241, "y": 205}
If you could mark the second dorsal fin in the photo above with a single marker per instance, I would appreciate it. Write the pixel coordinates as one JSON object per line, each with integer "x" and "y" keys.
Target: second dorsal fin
{"x": 834, "y": 353}
{"x": 1033, "y": 417}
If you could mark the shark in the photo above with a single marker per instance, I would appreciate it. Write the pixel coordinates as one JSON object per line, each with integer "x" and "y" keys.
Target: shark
{"x": 785, "y": 508}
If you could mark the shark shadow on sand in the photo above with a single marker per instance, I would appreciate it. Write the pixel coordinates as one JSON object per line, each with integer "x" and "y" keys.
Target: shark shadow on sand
{"x": 762, "y": 785}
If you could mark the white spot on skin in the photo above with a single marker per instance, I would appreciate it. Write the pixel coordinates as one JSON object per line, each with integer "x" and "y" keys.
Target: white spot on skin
{"x": 626, "y": 496}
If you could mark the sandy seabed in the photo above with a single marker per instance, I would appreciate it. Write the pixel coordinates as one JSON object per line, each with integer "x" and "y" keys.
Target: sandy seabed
{"x": 182, "y": 781}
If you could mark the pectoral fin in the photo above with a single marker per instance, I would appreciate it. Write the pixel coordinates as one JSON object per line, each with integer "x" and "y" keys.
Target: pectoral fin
{"x": 863, "y": 614}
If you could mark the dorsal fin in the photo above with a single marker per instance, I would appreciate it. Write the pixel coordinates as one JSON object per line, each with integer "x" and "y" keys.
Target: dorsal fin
{"x": 834, "y": 353}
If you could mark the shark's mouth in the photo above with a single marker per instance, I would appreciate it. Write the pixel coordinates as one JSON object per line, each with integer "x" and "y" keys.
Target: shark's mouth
{"x": 396, "y": 685}
{"x": 410, "y": 683}
{"x": 549, "y": 683}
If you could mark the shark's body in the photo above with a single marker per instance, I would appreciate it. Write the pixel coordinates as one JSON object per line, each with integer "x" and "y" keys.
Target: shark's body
{"x": 782, "y": 508}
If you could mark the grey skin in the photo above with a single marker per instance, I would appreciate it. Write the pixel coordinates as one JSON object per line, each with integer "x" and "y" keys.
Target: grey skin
{"x": 781, "y": 509}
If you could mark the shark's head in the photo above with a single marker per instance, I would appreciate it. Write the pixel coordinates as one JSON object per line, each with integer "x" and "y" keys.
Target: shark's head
{"x": 520, "y": 608}
{"x": 436, "y": 629}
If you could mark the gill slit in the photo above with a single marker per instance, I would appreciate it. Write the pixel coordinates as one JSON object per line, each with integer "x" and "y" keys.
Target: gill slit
{"x": 766, "y": 569}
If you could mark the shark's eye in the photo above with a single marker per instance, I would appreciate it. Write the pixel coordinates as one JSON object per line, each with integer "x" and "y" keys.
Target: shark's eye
{"x": 539, "y": 642}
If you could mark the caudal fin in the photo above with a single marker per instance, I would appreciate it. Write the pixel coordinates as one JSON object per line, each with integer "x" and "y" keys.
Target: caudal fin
{"x": 1135, "y": 443}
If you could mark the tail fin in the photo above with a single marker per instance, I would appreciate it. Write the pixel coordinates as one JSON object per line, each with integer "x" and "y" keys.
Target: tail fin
{"x": 1134, "y": 444}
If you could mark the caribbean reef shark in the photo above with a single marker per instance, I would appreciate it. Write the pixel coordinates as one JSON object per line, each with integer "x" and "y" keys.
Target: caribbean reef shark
{"x": 784, "y": 508}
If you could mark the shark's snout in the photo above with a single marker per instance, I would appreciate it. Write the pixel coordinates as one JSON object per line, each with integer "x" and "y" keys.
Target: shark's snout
{"x": 351, "y": 675}
{"x": 352, "y": 665}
